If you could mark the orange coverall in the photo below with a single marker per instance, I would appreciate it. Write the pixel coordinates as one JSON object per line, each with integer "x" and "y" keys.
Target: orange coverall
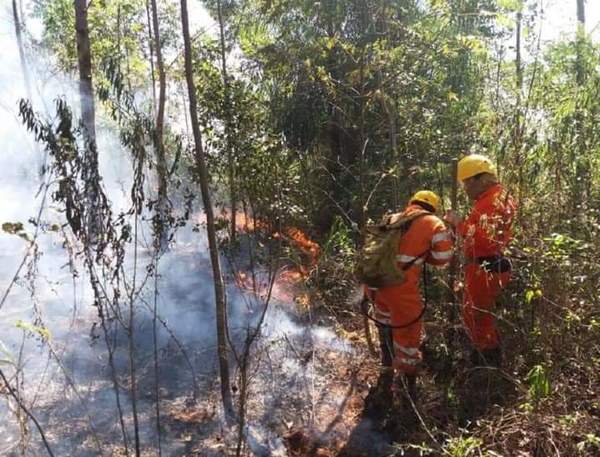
{"x": 486, "y": 232}
{"x": 427, "y": 239}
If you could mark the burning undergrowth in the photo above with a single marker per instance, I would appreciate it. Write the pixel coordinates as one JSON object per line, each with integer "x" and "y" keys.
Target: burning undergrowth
{"x": 299, "y": 382}
{"x": 110, "y": 337}
{"x": 307, "y": 381}
{"x": 302, "y": 381}
{"x": 68, "y": 378}
{"x": 291, "y": 367}
{"x": 98, "y": 329}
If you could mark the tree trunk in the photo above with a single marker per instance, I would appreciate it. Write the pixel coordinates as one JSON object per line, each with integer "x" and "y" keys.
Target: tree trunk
{"x": 18, "y": 32}
{"x": 84, "y": 56}
{"x": 390, "y": 112}
{"x": 159, "y": 145}
{"x": 227, "y": 125}
{"x": 18, "y": 20}
{"x": 518, "y": 121}
{"x": 518, "y": 65}
{"x": 582, "y": 166}
{"x": 202, "y": 171}
{"x": 580, "y": 33}
{"x": 581, "y": 12}
{"x": 361, "y": 211}
{"x": 151, "y": 49}
{"x": 452, "y": 270}
{"x": 88, "y": 116}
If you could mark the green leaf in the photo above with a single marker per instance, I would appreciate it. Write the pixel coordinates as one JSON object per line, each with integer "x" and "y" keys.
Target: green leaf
{"x": 41, "y": 331}
{"x": 511, "y": 5}
{"x": 16, "y": 228}
{"x": 539, "y": 383}
{"x": 506, "y": 21}
{"x": 529, "y": 296}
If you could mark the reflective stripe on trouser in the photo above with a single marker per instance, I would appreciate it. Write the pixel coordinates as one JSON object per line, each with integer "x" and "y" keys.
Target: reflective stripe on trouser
{"x": 481, "y": 290}
{"x": 382, "y": 315}
{"x": 404, "y": 305}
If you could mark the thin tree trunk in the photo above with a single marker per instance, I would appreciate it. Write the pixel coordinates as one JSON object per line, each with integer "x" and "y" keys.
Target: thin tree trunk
{"x": 220, "y": 298}
{"x": 579, "y": 38}
{"x": 227, "y": 124}
{"x": 581, "y": 12}
{"x": 151, "y": 48}
{"x": 582, "y": 166}
{"x": 391, "y": 115}
{"x": 362, "y": 200}
{"x": 161, "y": 163}
{"x": 131, "y": 344}
{"x": 156, "y": 365}
{"x": 88, "y": 117}
{"x": 18, "y": 32}
{"x": 19, "y": 24}
{"x": 133, "y": 379}
{"x": 389, "y": 110}
{"x": 452, "y": 270}
{"x": 115, "y": 382}
{"x": 19, "y": 384}
{"x": 518, "y": 65}
{"x": 518, "y": 121}
{"x": 84, "y": 56}
{"x": 119, "y": 37}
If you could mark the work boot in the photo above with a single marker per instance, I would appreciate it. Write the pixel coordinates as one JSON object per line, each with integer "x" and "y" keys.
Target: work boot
{"x": 379, "y": 398}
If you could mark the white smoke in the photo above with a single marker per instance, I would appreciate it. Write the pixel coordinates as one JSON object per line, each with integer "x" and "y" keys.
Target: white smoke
{"x": 53, "y": 298}
{"x": 50, "y": 297}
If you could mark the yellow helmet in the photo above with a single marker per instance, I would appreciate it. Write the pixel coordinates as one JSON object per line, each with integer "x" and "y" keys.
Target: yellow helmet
{"x": 474, "y": 164}
{"x": 428, "y": 197}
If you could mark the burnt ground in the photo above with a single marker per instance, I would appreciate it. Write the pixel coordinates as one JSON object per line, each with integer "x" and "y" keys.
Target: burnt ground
{"x": 311, "y": 373}
{"x": 309, "y": 380}
{"x": 308, "y": 396}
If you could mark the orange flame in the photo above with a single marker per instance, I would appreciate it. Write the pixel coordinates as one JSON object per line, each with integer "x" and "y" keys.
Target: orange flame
{"x": 289, "y": 278}
{"x": 245, "y": 223}
{"x": 306, "y": 245}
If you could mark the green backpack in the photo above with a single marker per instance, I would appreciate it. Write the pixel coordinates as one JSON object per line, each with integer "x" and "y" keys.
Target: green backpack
{"x": 377, "y": 265}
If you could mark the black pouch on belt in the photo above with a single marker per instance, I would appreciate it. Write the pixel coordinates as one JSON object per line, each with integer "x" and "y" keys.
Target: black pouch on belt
{"x": 495, "y": 264}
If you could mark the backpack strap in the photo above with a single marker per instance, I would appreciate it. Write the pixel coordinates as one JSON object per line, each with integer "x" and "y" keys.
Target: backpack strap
{"x": 403, "y": 222}
{"x": 405, "y": 225}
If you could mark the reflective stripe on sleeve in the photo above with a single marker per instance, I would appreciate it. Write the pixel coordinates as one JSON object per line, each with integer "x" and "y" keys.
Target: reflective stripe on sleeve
{"x": 402, "y": 258}
{"x": 443, "y": 255}
{"x": 442, "y": 236}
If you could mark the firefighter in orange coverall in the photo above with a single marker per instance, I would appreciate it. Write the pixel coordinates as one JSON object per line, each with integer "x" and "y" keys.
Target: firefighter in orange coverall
{"x": 486, "y": 233}
{"x": 426, "y": 240}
